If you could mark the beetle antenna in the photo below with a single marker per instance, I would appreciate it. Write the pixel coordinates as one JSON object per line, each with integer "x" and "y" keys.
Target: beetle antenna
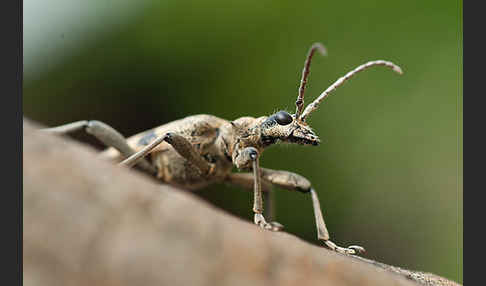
{"x": 305, "y": 73}
{"x": 315, "y": 104}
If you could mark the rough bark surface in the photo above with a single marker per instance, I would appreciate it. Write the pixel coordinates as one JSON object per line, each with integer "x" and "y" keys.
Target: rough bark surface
{"x": 88, "y": 222}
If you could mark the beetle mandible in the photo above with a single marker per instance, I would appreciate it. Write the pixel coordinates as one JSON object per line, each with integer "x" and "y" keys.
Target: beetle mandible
{"x": 199, "y": 150}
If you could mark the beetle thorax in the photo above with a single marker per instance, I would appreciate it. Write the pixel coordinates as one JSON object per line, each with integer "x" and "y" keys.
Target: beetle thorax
{"x": 265, "y": 131}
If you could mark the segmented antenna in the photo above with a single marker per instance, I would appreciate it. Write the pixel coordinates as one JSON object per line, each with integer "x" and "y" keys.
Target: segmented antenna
{"x": 305, "y": 73}
{"x": 315, "y": 104}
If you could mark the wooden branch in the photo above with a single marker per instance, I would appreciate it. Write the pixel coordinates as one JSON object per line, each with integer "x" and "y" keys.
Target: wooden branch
{"x": 89, "y": 222}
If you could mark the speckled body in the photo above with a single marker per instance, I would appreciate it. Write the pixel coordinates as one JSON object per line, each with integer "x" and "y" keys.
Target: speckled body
{"x": 215, "y": 139}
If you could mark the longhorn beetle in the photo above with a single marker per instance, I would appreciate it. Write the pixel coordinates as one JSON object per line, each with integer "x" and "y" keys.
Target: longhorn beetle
{"x": 199, "y": 150}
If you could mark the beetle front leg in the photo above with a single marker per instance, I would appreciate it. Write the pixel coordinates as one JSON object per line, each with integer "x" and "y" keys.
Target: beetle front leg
{"x": 292, "y": 181}
{"x": 246, "y": 181}
{"x": 259, "y": 219}
{"x": 250, "y": 154}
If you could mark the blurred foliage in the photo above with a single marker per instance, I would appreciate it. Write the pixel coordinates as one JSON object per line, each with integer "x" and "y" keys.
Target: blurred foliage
{"x": 389, "y": 171}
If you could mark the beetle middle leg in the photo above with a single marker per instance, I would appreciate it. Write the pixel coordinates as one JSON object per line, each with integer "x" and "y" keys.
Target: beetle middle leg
{"x": 181, "y": 145}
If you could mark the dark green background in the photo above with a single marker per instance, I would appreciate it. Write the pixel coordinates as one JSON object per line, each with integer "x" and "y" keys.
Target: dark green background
{"x": 389, "y": 169}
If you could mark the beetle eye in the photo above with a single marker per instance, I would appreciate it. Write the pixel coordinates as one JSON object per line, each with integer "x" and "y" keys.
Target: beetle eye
{"x": 283, "y": 118}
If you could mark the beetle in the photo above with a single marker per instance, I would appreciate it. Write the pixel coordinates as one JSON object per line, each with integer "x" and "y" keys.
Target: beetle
{"x": 199, "y": 150}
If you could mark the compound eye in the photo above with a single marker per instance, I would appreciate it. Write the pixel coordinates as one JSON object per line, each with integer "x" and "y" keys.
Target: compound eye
{"x": 283, "y": 118}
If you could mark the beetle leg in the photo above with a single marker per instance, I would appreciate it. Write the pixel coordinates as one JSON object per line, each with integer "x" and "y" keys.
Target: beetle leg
{"x": 103, "y": 132}
{"x": 268, "y": 208}
{"x": 181, "y": 145}
{"x": 66, "y": 128}
{"x": 250, "y": 155}
{"x": 246, "y": 181}
{"x": 292, "y": 181}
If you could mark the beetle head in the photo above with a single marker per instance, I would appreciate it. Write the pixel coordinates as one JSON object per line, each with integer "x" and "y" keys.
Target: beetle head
{"x": 283, "y": 126}
{"x": 259, "y": 133}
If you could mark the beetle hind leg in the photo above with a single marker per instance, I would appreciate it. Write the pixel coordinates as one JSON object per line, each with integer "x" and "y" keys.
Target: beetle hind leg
{"x": 106, "y": 134}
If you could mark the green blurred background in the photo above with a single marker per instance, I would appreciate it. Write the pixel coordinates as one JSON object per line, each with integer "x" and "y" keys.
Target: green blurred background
{"x": 389, "y": 169}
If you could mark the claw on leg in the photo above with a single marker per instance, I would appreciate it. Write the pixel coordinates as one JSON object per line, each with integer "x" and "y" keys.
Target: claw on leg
{"x": 352, "y": 250}
{"x": 272, "y": 226}
{"x": 276, "y": 226}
